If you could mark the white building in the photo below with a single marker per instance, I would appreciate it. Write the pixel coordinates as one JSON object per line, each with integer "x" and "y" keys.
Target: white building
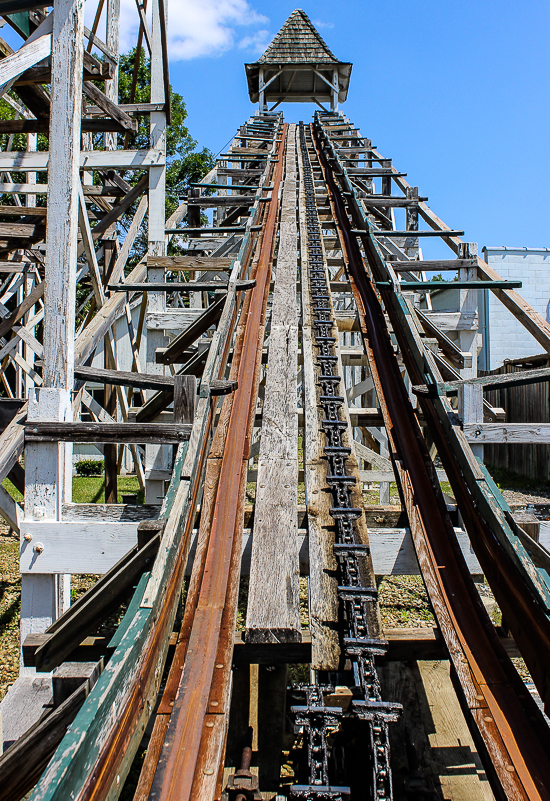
{"x": 503, "y": 337}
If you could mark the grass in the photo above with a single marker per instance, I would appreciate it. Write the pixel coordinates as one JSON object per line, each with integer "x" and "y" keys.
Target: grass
{"x": 91, "y": 489}
{"x": 10, "y": 602}
{"x": 372, "y": 495}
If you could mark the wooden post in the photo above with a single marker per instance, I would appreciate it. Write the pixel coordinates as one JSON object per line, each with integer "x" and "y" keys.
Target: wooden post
{"x": 412, "y": 219}
{"x": 110, "y": 398}
{"x": 112, "y": 42}
{"x": 157, "y": 457}
{"x": 470, "y": 409}
{"x": 261, "y": 90}
{"x": 47, "y": 465}
{"x": 467, "y": 340}
{"x": 185, "y": 392}
{"x": 335, "y": 91}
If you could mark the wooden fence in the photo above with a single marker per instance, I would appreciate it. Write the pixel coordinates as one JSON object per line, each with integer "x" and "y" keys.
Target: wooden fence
{"x": 523, "y": 404}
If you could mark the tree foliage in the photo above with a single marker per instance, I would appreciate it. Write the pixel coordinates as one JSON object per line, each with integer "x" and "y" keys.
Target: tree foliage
{"x": 186, "y": 164}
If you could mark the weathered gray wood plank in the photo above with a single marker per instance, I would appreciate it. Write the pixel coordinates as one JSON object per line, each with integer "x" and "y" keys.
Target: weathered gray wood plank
{"x": 273, "y": 602}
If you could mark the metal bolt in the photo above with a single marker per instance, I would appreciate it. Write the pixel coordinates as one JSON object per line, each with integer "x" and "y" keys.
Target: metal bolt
{"x": 28, "y": 537}
{"x": 39, "y": 547}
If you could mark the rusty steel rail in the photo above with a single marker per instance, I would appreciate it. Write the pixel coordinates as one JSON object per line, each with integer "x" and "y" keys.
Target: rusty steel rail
{"x": 199, "y": 692}
{"x": 509, "y": 730}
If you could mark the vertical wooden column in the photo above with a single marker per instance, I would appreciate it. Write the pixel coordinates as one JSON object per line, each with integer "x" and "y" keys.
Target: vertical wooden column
{"x": 412, "y": 219}
{"x": 335, "y": 91}
{"x": 470, "y": 410}
{"x": 47, "y": 465}
{"x": 109, "y": 242}
{"x": 157, "y": 457}
{"x": 261, "y": 91}
{"x": 112, "y": 37}
{"x": 467, "y": 340}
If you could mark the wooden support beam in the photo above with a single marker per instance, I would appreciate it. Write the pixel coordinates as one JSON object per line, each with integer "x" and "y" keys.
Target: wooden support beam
{"x": 111, "y": 109}
{"x": 374, "y": 172}
{"x": 41, "y": 125}
{"x": 91, "y": 609}
{"x": 188, "y": 286}
{"x": 11, "y": 442}
{"x": 508, "y": 433}
{"x": 436, "y": 265}
{"x": 191, "y": 263}
{"x": 428, "y": 286}
{"x": 101, "y": 375}
{"x": 123, "y": 433}
{"x": 139, "y": 109}
{"x": 236, "y": 172}
{"x": 38, "y": 161}
{"x": 179, "y": 345}
{"x": 408, "y": 234}
{"x": 387, "y": 201}
{"x": 19, "y": 6}
{"x": 47, "y": 472}
{"x": 23, "y": 211}
{"x": 43, "y": 74}
{"x": 226, "y": 229}
{"x": 215, "y": 201}
{"x": 502, "y": 381}
{"x": 95, "y": 545}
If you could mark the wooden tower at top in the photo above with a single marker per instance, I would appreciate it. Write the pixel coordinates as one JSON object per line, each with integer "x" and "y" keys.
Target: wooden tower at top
{"x": 298, "y": 67}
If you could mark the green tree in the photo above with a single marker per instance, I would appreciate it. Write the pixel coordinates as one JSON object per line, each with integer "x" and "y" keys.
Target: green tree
{"x": 185, "y": 164}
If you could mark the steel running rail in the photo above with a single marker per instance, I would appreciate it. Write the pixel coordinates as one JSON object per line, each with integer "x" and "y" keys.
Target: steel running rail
{"x": 357, "y": 598}
{"x": 510, "y": 732}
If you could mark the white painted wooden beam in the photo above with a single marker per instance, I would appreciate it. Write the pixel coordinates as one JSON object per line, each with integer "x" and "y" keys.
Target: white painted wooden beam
{"x": 28, "y": 161}
{"x": 74, "y": 546}
{"x": 453, "y": 321}
{"x": 392, "y": 552}
{"x": 171, "y": 319}
{"x": 37, "y": 47}
{"x": 508, "y": 433}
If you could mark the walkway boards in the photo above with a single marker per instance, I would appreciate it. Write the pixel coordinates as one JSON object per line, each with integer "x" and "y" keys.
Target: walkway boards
{"x": 273, "y": 602}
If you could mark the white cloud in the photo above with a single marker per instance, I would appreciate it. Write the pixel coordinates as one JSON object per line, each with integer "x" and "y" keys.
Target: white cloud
{"x": 257, "y": 43}
{"x": 207, "y": 27}
{"x": 195, "y": 27}
{"x": 319, "y": 24}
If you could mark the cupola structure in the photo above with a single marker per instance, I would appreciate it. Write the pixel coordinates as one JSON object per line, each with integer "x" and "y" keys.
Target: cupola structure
{"x": 298, "y": 67}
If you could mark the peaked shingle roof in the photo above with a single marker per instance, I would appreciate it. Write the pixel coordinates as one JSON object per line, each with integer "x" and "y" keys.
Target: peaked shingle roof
{"x": 297, "y": 42}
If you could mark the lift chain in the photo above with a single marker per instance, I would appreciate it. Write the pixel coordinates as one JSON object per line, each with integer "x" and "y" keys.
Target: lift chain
{"x": 356, "y": 598}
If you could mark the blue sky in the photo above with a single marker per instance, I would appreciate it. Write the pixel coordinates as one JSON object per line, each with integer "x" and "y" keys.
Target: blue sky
{"x": 456, "y": 93}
